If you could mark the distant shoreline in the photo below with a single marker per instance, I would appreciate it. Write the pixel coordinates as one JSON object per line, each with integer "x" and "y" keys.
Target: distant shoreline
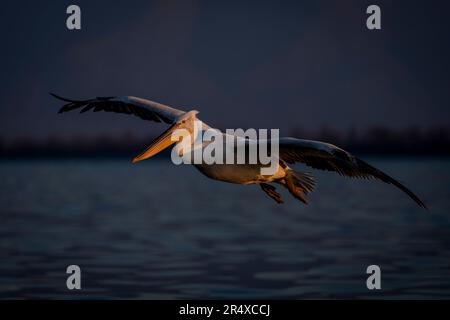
{"x": 375, "y": 141}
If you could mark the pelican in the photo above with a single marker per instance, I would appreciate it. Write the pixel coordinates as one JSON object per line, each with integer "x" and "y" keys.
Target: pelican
{"x": 315, "y": 154}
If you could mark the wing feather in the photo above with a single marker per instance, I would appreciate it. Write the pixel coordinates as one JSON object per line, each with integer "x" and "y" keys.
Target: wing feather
{"x": 325, "y": 156}
{"x": 142, "y": 108}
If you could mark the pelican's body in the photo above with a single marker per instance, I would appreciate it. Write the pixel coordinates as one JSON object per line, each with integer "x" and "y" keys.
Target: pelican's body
{"x": 239, "y": 173}
{"x": 316, "y": 154}
{"x": 234, "y": 173}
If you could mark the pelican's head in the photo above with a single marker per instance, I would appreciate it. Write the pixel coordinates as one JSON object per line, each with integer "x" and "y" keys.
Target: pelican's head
{"x": 186, "y": 121}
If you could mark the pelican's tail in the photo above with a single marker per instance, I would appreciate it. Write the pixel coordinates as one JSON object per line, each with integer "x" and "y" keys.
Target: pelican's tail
{"x": 299, "y": 184}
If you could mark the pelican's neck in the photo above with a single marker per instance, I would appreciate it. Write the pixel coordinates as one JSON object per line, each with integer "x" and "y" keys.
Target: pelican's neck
{"x": 204, "y": 125}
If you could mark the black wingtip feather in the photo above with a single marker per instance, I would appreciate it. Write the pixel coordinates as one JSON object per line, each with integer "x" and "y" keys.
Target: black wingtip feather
{"x": 62, "y": 98}
{"x": 386, "y": 178}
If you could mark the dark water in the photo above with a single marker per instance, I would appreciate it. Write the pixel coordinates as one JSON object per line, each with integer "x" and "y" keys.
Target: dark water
{"x": 160, "y": 231}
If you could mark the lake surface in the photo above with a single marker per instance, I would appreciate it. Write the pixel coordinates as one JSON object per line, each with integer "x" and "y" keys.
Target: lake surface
{"x": 158, "y": 231}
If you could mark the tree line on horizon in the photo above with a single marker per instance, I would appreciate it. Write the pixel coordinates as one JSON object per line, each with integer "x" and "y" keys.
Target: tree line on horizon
{"x": 377, "y": 140}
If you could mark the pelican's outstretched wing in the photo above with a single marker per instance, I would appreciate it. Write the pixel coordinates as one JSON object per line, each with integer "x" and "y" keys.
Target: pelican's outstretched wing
{"x": 144, "y": 109}
{"x": 325, "y": 156}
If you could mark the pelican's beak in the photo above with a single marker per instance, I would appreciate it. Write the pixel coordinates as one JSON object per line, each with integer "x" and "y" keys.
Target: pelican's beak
{"x": 158, "y": 145}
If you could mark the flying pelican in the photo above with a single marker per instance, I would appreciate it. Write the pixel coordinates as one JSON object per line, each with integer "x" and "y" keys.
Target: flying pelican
{"x": 315, "y": 154}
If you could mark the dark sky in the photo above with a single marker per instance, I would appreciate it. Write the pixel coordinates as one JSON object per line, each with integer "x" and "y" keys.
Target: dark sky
{"x": 262, "y": 64}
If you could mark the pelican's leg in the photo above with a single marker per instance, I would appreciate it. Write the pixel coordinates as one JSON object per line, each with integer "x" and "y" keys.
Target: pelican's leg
{"x": 270, "y": 190}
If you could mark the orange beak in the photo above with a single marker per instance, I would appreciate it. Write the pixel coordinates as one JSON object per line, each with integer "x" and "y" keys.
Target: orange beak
{"x": 158, "y": 145}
